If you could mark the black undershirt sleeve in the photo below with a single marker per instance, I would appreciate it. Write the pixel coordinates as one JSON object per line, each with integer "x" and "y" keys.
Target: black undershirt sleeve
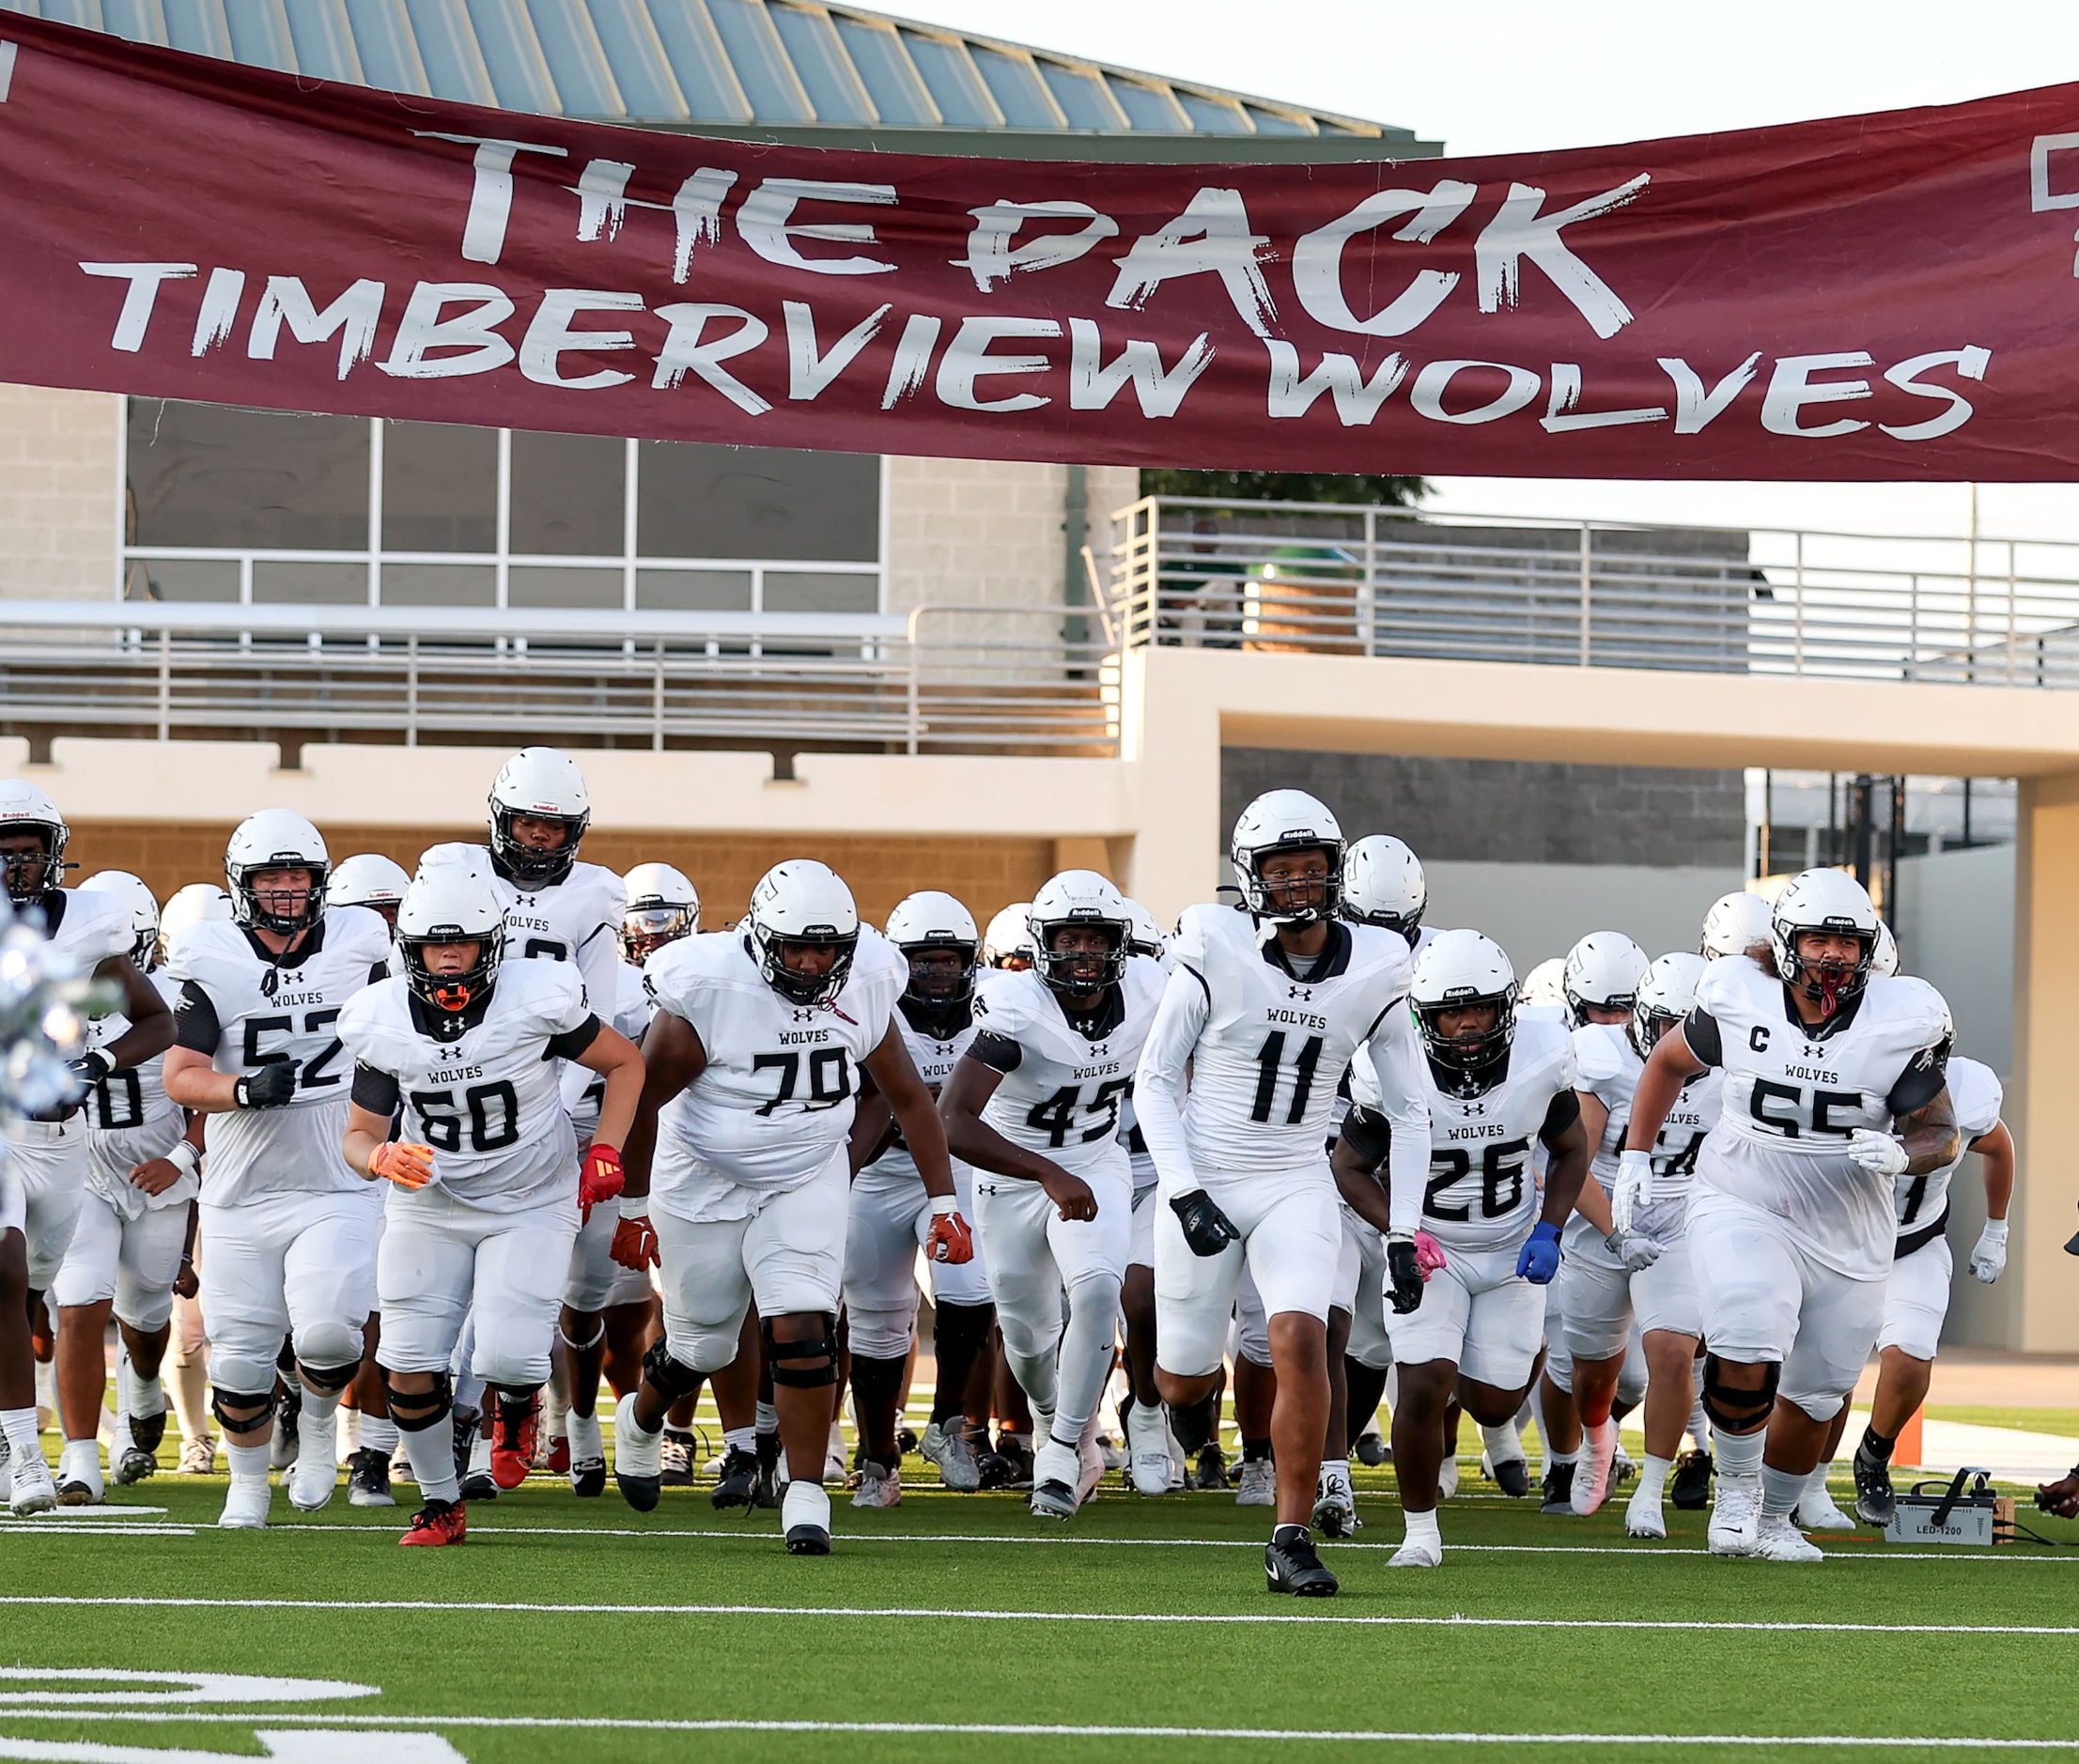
{"x": 1921, "y": 1082}
{"x": 1369, "y": 1135}
{"x": 376, "y": 1091}
{"x": 194, "y": 1021}
{"x": 998, "y": 1052}
{"x": 1700, "y": 1029}
{"x": 1564, "y": 1112}
{"x": 574, "y": 1044}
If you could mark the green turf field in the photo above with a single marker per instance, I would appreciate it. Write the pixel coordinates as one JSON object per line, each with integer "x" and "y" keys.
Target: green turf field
{"x": 561, "y": 1619}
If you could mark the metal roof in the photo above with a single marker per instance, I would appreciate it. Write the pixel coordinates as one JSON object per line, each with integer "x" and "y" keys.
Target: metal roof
{"x": 787, "y": 69}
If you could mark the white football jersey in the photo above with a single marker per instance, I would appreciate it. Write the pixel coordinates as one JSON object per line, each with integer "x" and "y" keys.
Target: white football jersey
{"x": 780, "y": 1088}
{"x": 245, "y": 1008}
{"x": 585, "y": 1091}
{"x": 130, "y": 1117}
{"x": 487, "y": 1102}
{"x": 89, "y": 926}
{"x": 1794, "y": 1096}
{"x": 934, "y": 1059}
{"x": 1609, "y": 1069}
{"x": 1062, "y": 1085}
{"x": 1481, "y": 1193}
{"x": 577, "y": 919}
{"x": 1923, "y": 1202}
{"x": 1265, "y": 1050}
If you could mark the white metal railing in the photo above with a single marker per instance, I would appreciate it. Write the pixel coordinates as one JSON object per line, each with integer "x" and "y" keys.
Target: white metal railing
{"x": 942, "y": 680}
{"x": 1386, "y": 582}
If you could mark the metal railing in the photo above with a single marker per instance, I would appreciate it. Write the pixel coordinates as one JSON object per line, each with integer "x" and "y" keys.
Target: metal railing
{"x": 942, "y": 680}
{"x": 1385, "y": 581}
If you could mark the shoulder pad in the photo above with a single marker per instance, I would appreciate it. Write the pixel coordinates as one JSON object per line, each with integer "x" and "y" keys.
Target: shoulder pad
{"x": 1914, "y": 1000}
{"x": 1732, "y": 984}
{"x": 1005, "y": 1006}
{"x": 104, "y": 921}
{"x": 209, "y": 951}
{"x": 1547, "y": 1042}
{"x": 1600, "y": 1051}
{"x": 1974, "y": 1091}
{"x": 354, "y": 930}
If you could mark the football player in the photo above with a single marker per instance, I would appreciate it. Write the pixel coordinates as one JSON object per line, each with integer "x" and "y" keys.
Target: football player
{"x": 49, "y": 1156}
{"x": 1737, "y": 924}
{"x": 129, "y": 1245}
{"x": 487, "y": 1186}
{"x": 1265, "y": 1008}
{"x": 289, "y": 1227}
{"x": 1611, "y": 1278}
{"x": 738, "y": 1163}
{"x": 369, "y": 879}
{"x": 1495, "y": 1085}
{"x": 1008, "y": 941}
{"x": 1033, "y": 1106}
{"x": 1835, "y": 1084}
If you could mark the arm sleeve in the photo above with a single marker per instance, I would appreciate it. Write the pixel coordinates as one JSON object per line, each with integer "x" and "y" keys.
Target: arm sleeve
{"x": 1403, "y": 1099}
{"x": 376, "y": 1091}
{"x": 1367, "y": 1134}
{"x": 1921, "y": 1082}
{"x": 195, "y": 1025}
{"x": 573, "y": 1042}
{"x": 1158, "y": 1085}
{"x": 1000, "y": 1053}
{"x": 1700, "y": 1029}
{"x": 1564, "y": 1112}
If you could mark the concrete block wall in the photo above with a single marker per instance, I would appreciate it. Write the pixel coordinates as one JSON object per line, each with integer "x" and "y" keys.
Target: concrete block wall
{"x": 58, "y": 508}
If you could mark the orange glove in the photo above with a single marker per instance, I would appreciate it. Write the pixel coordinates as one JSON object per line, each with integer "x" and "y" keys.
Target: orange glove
{"x": 408, "y": 1165}
{"x": 951, "y": 1238}
{"x": 599, "y": 1178}
{"x": 635, "y": 1243}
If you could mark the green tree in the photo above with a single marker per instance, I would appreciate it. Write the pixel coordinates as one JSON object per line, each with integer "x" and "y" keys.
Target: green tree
{"x": 1285, "y": 487}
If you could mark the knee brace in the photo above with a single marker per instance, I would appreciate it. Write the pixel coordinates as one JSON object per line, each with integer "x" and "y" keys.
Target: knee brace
{"x": 416, "y": 1411}
{"x": 330, "y": 1378}
{"x": 1735, "y": 1410}
{"x": 804, "y": 1364}
{"x": 670, "y": 1378}
{"x": 877, "y": 1380}
{"x": 599, "y": 1335}
{"x": 325, "y": 1344}
{"x": 222, "y": 1402}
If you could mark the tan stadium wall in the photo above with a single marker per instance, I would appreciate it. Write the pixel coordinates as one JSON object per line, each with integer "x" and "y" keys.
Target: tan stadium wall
{"x": 59, "y": 507}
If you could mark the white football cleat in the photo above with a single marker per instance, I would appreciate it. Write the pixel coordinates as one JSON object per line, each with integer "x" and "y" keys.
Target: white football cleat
{"x": 1148, "y": 1450}
{"x": 1735, "y": 1524}
{"x": 198, "y": 1456}
{"x": 245, "y": 1504}
{"x": 953, "y": 1456}
{"x": 1335, "y": 1505}
{"x": 1418, "y": 1553}
{"x": 877, "y": 1487}
{"x": 1816, "y": 1510}
{"x": 1778, "y": 1540}
{"x": 316, "y": 1472}
{"x": 1643, "y": 1517}
{"x": 1259, "y": 1483}
{"x": 35, "y": 1490}
{"x": 1056, "y": 1471}
{"x": 1591, "y": 1472}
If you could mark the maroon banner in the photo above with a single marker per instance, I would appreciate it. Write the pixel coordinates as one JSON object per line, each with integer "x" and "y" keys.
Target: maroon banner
{"x": 1874, "y": 296}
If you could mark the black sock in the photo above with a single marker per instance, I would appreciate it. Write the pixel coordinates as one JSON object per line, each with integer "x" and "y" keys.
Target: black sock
{"x": 1194, "y": 1422}
{"x": 1255, "y": 1451}
{"x": 1620, "y": 1409}
{"x": 1877, "y": 1445}
{"x": 1289, "y": 1534}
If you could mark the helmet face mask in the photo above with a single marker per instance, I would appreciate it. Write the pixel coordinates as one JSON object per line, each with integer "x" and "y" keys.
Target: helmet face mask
{"x": 539, "y": 813}
{"x": 1474, "y": 1054}
{"x": 450, "y": 986}
{"x": 645, "y": 930}
{"x": 515, "y": 843}
{"x": 444, "y": 910}
{"x": 1832, "y": 905}
{"x": 33, "y": 861}
{"x": 1832, "y": 975}
{"x": 810, "y": 969}
{"x": 939, "y": 973}
{"x": 1080, "y": 956}
{"x": 803, "y": 928}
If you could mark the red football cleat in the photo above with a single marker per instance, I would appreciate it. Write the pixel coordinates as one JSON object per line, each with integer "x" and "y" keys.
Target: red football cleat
{"x": 558, "y": 1462}
{"x": 437, "y": 1524}
{"x": 513, "y": 1440}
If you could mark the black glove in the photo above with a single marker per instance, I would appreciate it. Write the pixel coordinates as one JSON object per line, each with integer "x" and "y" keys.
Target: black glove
{"x": 1206, "y": 1229}
{"x": 91, "y": 1067}
{"x": 272, "y": 1086}
{"x": 1404, "y": 1279}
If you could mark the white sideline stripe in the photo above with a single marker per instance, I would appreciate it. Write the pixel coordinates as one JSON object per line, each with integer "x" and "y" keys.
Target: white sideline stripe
{"x": 1688, "y": 1551}
{"x": 97, "y": 1510}
{"x": 949, "y": 1613}
{"x": 87, "y": 1528}
{"x": 271, "y": 1718}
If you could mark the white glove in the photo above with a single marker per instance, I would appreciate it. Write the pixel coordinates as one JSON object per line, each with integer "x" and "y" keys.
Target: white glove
{"x": 1989, "y": 1260}
{"x": 1878, "y": 1152}
{"x": 1634, "y": 1189}
{"x": 1634, "y": 1250}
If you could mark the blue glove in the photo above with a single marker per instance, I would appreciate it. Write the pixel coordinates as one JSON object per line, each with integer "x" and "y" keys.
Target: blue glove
{"x": 1540, "y": 1259}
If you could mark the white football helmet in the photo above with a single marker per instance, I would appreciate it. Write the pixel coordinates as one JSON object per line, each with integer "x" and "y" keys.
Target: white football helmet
{"x": 1145, "y": 938}
{"x": 1460, "y": 968}
{"x": 1831, "y": 901}
{"x": 450, "y": 903}
{"x": 196, "y": 903}
{"x": 803, "y": 903}
{"x": 1285, "y": 821}
{"x": 144, "y": 911}
{"x": 1604, "y": 968}
{"x": 368, "y": 879}
{"x": 274, "y": 839}
{"x": 1545, "y": 986}
{"x": 1884, "y": 961}
{"x": 25, "y": 809}
{"x": 1665, "y": 997}
{"x": 1080, "y": 898}
{"x": 933, "y": 922}
{"x": 1383, "y": 885}
{"x": 1008, "y": 939}
{"x": 664, "y": 907}
{"x": 546, "y": 784}
{"x": 1736, "y": 923}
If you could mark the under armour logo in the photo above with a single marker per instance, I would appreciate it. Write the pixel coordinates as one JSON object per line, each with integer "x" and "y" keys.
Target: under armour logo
{"x": 1814, "y": 1053}
{"x": 1298, "y": 991}
{"x": 803, "y": 1014}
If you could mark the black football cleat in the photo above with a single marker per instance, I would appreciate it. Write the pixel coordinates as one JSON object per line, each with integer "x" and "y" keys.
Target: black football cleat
{"x": 1877, "y": 1504}
{"x": 1558, "y": 1490}
{"x": 368, "y": 1479}
{"x": 1512, "y": 1475}
{"x": 1294, "y": 1568}
{"x": 1211, "y": 1472}
{"x": 1690, "y": 1487}
{"x": 481, "y": 1486}
{"x": 739, "y": 1479}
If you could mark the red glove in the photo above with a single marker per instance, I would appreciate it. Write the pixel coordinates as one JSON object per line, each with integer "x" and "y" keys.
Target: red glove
{"x": 951, "y": 1239}
{"x": 599, "y": 1178}
{"x": 635, "y": 1243}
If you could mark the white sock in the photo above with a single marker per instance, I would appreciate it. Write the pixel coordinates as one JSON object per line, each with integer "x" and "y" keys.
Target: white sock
{"x": 248, "y": 1463}
{"x": 134, "y": 1395}
{"x": 479, "y": 1457}
{"x": 1504, "y": 1445}
{"x": 1780, "y": 1490}
{"x": 431, "y": 1454}
{"x": 378, "y": 1432}
{"x": 1815, "y": 1484}
{"x": 80, "y": 1462}
{"x": 1564, "y": 1457}
{"x": 1337, "y": 1470}
{"x": 739, "y": 1439}
{"x": 1422, "y": 1528}
{"x": 1739, "y": 1454}
{"x": 318, "y": 1405}
{"x": 1699, "y": 1426}
{"x": 769, "y": 1418}
{"x": 1652, "y": 1477}
{"x": 19, "y": 1425}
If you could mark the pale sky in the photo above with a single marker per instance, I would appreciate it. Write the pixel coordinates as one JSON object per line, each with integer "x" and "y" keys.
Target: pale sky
{"x": 1501, "y": 76}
